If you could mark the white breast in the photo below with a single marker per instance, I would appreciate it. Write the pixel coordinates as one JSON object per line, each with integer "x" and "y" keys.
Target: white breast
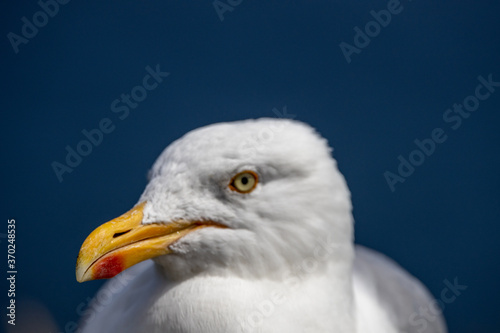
{"x": 221, "y": 304}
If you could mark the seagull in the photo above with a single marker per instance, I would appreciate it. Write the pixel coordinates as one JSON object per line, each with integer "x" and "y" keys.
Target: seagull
{"x": 249, "y": 228}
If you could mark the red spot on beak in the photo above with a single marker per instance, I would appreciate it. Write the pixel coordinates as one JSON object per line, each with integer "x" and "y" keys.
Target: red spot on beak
{"x": 108, "y": 267}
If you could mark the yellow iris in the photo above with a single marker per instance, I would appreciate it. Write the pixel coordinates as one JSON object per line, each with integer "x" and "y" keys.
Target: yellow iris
{"x": 244, "y": 182}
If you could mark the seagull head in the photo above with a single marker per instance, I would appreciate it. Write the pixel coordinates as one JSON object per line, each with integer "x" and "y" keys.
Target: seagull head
{"x": 251, "y": 198}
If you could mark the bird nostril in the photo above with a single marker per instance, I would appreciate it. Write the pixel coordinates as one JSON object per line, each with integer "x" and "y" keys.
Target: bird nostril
{"x": 118, "y": 234}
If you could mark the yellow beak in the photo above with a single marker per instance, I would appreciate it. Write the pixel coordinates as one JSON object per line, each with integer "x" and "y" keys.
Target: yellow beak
{"x": 125, "y": 241}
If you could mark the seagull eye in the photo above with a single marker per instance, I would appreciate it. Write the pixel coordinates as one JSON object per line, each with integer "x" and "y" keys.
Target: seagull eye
{"x": 244, "y": 182}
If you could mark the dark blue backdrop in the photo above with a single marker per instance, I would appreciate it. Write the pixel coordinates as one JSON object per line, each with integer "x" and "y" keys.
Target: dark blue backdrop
{"x": 441, "y": 223}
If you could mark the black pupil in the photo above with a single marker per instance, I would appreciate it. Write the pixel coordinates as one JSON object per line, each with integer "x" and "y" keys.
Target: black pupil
{"x": 244, "y": 180}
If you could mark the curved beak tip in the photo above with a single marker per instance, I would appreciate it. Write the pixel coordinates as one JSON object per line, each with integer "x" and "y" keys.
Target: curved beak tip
{"x": 125, "y": 241}
{"x": 100, "y": 256}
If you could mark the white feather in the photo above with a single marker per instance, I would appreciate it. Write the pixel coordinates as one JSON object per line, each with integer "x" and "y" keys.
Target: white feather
{"x": 285, "y": 264}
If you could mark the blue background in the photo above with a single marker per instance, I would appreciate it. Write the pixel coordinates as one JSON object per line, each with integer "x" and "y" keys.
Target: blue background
{"x": 441, "y": 223}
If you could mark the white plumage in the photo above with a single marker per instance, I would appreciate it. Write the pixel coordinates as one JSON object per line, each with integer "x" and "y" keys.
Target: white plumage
{"x": 286, "y": 262}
